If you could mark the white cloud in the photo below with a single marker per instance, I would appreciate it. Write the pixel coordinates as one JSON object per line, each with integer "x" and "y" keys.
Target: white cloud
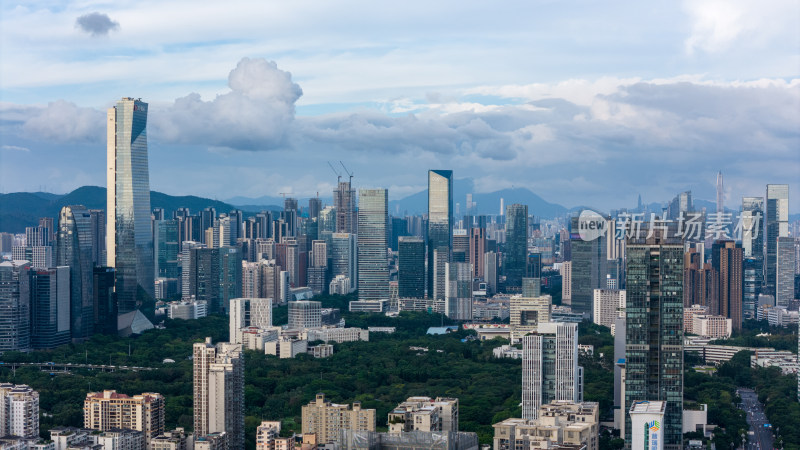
{"x": 14, "y": 148}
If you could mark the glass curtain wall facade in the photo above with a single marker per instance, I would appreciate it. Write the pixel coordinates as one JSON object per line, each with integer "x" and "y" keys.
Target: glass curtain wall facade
{"x": 776, "y": 224}
{"x": 75, "y": 250}
{"x": 654, "y": 331}
{"x": 440, "y": 225}
{"x": 411, "y": 267}
{"x": 130, "y": 240}
{"x": 373, "y": 265}
{"x": 516, "y": 246}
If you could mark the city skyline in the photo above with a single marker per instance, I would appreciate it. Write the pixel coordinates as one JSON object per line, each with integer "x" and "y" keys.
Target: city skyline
{"x": 506, "y": 97}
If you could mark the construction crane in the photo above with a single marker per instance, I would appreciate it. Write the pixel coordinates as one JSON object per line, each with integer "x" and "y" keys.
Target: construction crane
{"x": 284, "y": 194}
{"x": 348, "y": 172}
{"x": 339, "y": 175}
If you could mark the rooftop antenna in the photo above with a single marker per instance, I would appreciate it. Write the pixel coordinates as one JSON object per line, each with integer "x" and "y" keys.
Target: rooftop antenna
{"x": 339, "y": 175}
{"x": 348, "y": 172}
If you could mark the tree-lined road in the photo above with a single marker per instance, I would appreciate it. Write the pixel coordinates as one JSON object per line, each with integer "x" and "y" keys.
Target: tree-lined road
{"x": 761, "y": 437}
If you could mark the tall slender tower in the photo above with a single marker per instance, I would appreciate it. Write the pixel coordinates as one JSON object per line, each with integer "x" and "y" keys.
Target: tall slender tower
{"x": 219, "y": 390}
{"x": 516, "y": 247}
{"x": 720, "y": 205}
{"x": 373, "y": 270}
{"x": 776, "y": 224}
{"x": 654, "y": 330}
{"x": 344, "y": 201}
{"x": 74, "y": 249}
{"x": 129, "y": 240}
{"x": 440, "y": 227}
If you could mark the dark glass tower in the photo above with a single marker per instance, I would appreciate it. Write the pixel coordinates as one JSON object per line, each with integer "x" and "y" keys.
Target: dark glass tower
{"x": 654, "y": 330}
{"x": 516, "y": 247}
{"x": 411, "y": 267}
{"x": 50, "y": 307}
{"x": 130, "y": 240}
{"x": 589, "y": 264}
{"x": 75, "y": 250}
{"x": 440, "y": 226}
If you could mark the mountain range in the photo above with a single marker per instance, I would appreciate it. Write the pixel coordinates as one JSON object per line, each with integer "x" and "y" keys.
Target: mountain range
{"x": 23, "y": 209}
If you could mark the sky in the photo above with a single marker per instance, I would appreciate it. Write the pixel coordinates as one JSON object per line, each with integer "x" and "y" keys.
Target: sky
{"x": 583, "y": 102}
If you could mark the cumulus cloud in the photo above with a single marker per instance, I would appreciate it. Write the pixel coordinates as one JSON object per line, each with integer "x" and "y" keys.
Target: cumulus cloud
{"x": 96, "y": 24}
{"x": 255, "y": 115}
{"x": 62, "y": 121}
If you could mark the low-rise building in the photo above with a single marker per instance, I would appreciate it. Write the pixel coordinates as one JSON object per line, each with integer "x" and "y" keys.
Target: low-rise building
{"x": 254, "y": 338}
{"x": 786, "y": 361}
{"x": 688, "y": 316}
{"x": 413, "y": 440}
{"x": 507, "y": 351}
{"x": 560, "y": 423}
{"x": 170, "y": 440}
{"x": 336, "y": 334}
{"x": 321, "y": 350}
{"x": 717, "y": 327}
{"x": 326, "y": 419}
{"x": 424, "y": 414}
{"x": 69, "y": 438}
{"x": 187, "y": 310}
{"x": 212, "y": 441}
{"x": 286, "y": 348}
{"x": 369, "y": 306}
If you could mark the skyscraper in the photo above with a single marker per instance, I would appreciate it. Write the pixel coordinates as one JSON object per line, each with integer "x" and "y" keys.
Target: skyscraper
{"x": 727, "y": 258}
{"x": 776, "y": 224}
{"x": 74, "y": 249}
{"x": 440, "y": 225}
{"x": 50, "y": 307}
{"x": 248, "y": 312}
{"x": 589, "y": 264}
{"x": 720, "y": 193}
{"x": 784, "y": 271}
{"x": 411, "y": 267}
{"x": 753, "y": 246}
{"x": 129, "y": 246}
{"x": 219, "y": 391}
{"x": 344, "y": 257}
{"x": 15, "y": 306}
{"x": 344, "y": 201}
{"x": 373, "y": 269}
{"x": 550, "y": 368}
{"x": 516, "y": 246}
{"x": 654, "y": 330}
{"x": 458, "y": 291}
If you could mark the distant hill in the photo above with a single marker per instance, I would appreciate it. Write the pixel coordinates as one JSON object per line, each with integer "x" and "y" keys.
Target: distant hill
{"x": 23, "y": 209}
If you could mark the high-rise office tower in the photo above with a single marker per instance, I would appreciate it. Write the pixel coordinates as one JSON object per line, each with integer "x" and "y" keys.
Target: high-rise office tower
{"x": 458, "y": 291}
{"x": 344, "y": 203}
{"x": 50, "y": 307}
{"x": 327, "y": 220}
{"x": 550, "y": 368}
{"x": 776, "y": 224}
{"x": 477, "y": 247}
{"x": 214, "y": 276}
{"x": 516, "y": 247}
{"x": 98, "y": 226}
{"x": 373, "y": 270}
{"x": 166, "y": 247}
{"x": 15, "y": 306}
{"x": 248, "y": 312}
{"x": 654, "y": 330}
{"x": 344, "y": 257}
{"x": 490, "y": 272}
{"x": 219, "y": 391}
{"x": 589, "y": 268}
{"x": 207, "y": 218}
{"x": 289, "y": 216}
{"x": 440, "y": 226}
{"x": 40, "y": 256}
{"x": 314, "y": 207}
{"x": 727, "y": 258}
{"x": 753, "y": 238}
{"x": 104, "y": 307}
{"x": 39, "y": 235}
{"x": 460, "y": 250}
{"x": 785, "y": 271}
{"x": 682, "y": 203}
{"x": 20, "y": 411}
{"x": 720, "y": 193}
{"x": 411, "y": 267}
{"x": 129, "y": 246}
{"x": 74, "y": 249}
{"x": 236, "y": 223}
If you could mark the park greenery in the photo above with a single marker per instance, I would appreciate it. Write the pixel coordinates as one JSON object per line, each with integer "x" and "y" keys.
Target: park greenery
{"x": 380, "y": 374}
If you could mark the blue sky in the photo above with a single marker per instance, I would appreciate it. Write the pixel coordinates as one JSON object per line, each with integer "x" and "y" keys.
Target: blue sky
{"x": 586, "y": 102}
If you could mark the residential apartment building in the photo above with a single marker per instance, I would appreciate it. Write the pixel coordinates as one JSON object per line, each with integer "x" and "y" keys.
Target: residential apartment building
{"x": 424, "y": 414}
{"x": 326, "y": 419}
{"x": 560, "y": 425}
{"x": 109, "y": 410}
{"x": 19, "y": 411}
